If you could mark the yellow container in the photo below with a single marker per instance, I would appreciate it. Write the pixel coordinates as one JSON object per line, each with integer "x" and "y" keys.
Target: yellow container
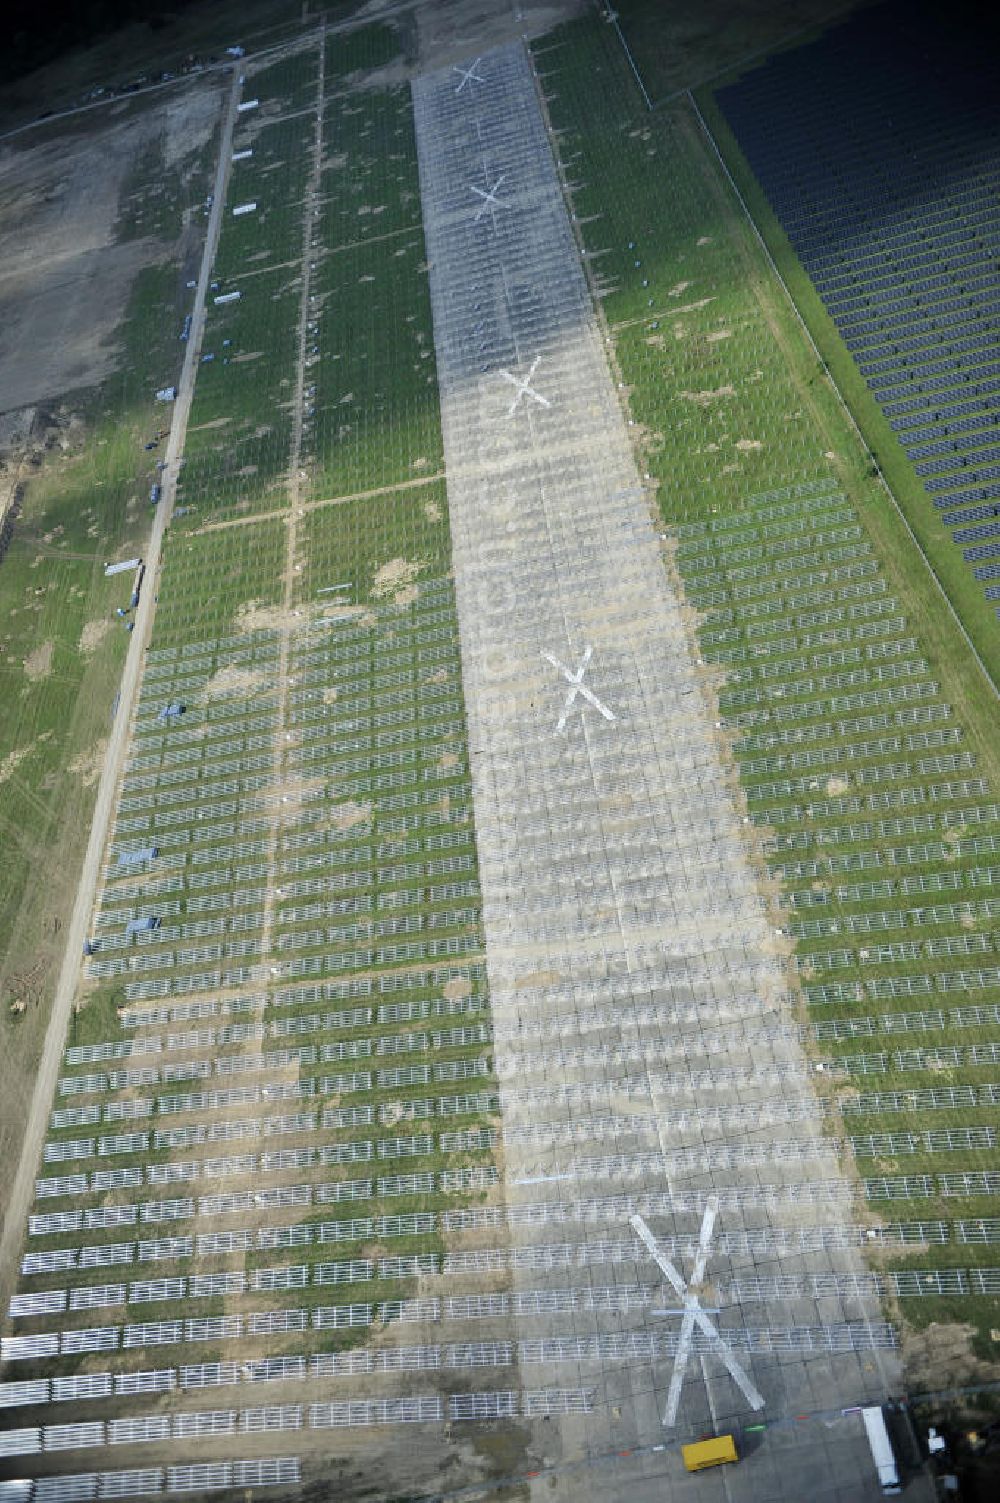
{"x": 714, "y": 1452}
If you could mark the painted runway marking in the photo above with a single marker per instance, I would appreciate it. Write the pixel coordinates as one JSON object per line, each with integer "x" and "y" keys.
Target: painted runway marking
{"x": 577, "y": 686}
{"x": 469, "y": 74}
{"x": 694, "y": 1315}
{"x": 524, "y": 388}
{"x": 489, "y": 197}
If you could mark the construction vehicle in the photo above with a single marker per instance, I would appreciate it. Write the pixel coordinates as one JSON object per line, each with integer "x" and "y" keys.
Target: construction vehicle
{"x": 713, "y": 1450}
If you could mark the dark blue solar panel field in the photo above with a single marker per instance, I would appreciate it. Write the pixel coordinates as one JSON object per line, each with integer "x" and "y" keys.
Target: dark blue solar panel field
{"x": 878, "y": 147}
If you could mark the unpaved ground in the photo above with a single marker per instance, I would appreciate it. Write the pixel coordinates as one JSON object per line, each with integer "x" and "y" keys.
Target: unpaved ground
{"x": 63, "y": 280}
{"x": 19, "y": 1197}
{"x": 942, "y": 1357}
{"x": 94, "y": 632}
{"x": 394, "y": 581}
{"x": 458, "y": 31}
{"x": 87, "y": 766}
{"x": 15, "y": 431}
{"x": 38, "y": 664}
{"x": 234, "y": 681}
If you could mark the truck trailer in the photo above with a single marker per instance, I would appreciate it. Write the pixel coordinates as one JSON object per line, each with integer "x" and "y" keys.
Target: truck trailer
{"x": 881, "y": 1448}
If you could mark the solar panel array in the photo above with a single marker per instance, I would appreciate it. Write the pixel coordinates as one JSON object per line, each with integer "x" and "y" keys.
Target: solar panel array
{"x": 878, "y": 147}
{"x": 278, "y": 1163}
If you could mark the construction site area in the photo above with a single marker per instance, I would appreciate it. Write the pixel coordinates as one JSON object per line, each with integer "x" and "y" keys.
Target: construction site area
{"x": 499, "y": 984}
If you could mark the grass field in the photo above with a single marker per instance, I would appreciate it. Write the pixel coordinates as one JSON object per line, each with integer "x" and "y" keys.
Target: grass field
{"x": 376, "y": 414}
{"x": 859, "y": 723}
{"x": 699, "y": 41}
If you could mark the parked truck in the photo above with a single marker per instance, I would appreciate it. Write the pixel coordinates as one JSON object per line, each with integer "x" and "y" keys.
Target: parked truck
{"x": 881, "y": 1448}
{"x": 714, "y": 1450}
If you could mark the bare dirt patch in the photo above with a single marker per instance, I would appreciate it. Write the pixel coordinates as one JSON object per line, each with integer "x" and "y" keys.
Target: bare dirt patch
{"x": 455, "y": 32}
{"x": 394, "y": 581}
{"x": 694, "y": 307}
{"x": 12, "y": 762}
{"x": 87, "y": 766}
{"x": 219, "y": 422}
{"x": 64, "y": 279}
{"x": 93, "y": 634}
{"x": 253, "y": 616}
{"x": 942, "y": 1357}
{"x": 232, "y": 681}
{"x": 532, "y": 979}
{"x": 346, "y": 816}
{"x": 38, "y": 664}
{"x": 706, "y": 398}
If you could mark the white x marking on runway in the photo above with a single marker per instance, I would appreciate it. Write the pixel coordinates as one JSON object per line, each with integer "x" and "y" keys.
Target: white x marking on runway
{"x": 694, "y": 1315}
{"x": 489, "y": 197}
{"x": 577, "y": 686}
{"x": 525, "y": 388}
{"x": 469, "y": 74}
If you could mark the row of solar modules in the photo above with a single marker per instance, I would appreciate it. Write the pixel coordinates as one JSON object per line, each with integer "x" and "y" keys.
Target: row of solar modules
{"x": 944, "y": 176}
{"x": 811, "y": 209}
{"x": 893, "y": 243}
{"x": 882, "y": 269}
{"x": 886, "y": 179}
{"x": 144, "y": 1482}
{"x": 858, "y": 213}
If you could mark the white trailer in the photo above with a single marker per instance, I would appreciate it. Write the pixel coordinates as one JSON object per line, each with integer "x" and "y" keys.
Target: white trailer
{"x": 124, "y": 567}
{"x": 881, "y": 1448}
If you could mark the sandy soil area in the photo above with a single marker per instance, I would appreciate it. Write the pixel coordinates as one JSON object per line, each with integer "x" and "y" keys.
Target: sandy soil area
{"x": 64, "y": 281}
